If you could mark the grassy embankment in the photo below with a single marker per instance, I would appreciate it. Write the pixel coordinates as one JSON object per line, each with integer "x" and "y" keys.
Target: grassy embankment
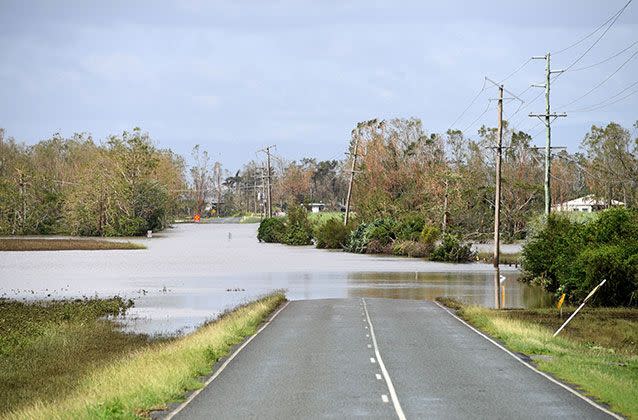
{"x": 321, "y": 217}
{"x": 23, "y": 244}
{"x": 597, "y": 351}
{"x": 504, "y": 259}
{"x": 63, "y": 360}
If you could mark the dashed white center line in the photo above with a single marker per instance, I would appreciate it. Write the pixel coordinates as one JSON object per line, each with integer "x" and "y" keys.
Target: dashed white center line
{"x": 378, "y": 375}
{"x": 384, "y": 371}
{"x": 384, "y": 398}
{"x": 369, "y": 346}
{"x": 372, "y": 360}
{"x": 368, "y": 335}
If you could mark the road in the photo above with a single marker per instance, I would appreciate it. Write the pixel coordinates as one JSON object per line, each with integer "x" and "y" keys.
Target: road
{"x": 317, "y": 359}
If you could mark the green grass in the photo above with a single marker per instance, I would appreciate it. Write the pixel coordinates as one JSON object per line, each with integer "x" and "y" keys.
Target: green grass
{"x": 23, "y": 244}
{"x": 250, "y": 219}
{"x": 129, "y": 382}
{"x": 597, "y": 351}
{"x": 323, "y": 216}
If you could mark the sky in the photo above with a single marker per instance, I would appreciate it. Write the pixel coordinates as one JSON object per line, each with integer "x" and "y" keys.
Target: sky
{"x": 234, "y": 76}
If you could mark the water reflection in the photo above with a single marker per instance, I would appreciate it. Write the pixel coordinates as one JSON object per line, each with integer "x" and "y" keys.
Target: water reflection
{"x": 470, "y": 288}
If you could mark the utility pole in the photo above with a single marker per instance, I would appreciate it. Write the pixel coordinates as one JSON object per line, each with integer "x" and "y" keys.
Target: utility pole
{"x": 218, "y": 173}
{"x": 352, "y": 171}
{"x": 547, "y": 119}
{"x": 497, "y": 201}
{"x": 268, "y": 175}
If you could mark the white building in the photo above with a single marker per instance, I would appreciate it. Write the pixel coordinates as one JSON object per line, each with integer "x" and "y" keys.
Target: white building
{"x": 316, "y": 207}
{"x": 588, "y": 204}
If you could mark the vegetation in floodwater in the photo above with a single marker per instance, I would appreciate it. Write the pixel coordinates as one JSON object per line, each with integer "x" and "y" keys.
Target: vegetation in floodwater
{"x": 597, "y": 351}
{"x": 128, "y": 378}
{"x": 21, "y": 244}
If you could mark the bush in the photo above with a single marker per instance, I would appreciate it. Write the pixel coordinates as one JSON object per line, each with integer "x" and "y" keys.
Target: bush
{"x": 429, "y": 234}
{"x": 571, "y": 257}
{"x": 452, "y": 250}
{"x": 298, "y": 228}
{"x": 409, "y": 229}
{"x": 357, "y": 241}
{"x": 332, "y": 234}
{"x": 373, "y": 238}
{"x": 271, "y": 230}
{"x": 411, "y": 249}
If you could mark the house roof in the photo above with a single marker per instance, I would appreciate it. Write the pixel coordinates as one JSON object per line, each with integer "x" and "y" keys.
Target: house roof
{"x": 589, "y": 200}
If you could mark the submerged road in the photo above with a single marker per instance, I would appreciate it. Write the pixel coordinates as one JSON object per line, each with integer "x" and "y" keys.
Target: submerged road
{"x": 378, "y": 358}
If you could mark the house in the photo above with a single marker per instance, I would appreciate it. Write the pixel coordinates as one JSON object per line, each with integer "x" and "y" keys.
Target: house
{"x": 316, "y": 207}
{"x": 588, "y": 204}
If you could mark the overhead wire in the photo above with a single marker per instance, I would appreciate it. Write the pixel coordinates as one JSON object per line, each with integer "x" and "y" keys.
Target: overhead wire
{"x": 606, "y": 59}
{"x": 612, "y": 17}
{"x": 602, "y": 82}
{"x": 470, "y": 105}
{"x": 596, "y": 105}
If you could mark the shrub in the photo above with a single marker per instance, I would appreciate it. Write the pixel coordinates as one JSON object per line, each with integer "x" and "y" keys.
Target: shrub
{"x": 429, "y": 234}
{"x": 409, "y": 229}
{"x": 452, "y": 250}
{"x": 356, "y": 241}
{"x": 271, "y": 230}
{"x": 332, "y": 234}
{"x": 411, "y": 249}
{"x": 375, "y": 237}
{"x": 567, "y": 256}
{"x": 298, "y": 228}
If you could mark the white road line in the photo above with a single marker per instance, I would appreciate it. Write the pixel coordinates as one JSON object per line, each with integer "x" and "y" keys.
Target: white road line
{"x": 378, "y": 375}
{"x": 372, "y": 360}
{"x": 384, "y": 371}
{"x": 384, "y": 398}
{"x": 368, "y": 335}
{"x": 223, "y": 366}
{"x": 562, "y": 385}
{"x": 369, "y": 346}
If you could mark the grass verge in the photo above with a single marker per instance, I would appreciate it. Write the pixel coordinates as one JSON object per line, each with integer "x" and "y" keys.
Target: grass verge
{"x": 21, "y": 244}
{"x": 148, "y": 377}
{"x": 597, "y": 351}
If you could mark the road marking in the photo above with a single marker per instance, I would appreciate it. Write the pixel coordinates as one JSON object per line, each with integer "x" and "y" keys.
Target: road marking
{"x": 384, "y": 398}
{"x": 378, "y": 375}
{"x": 368, "y": 335}
{"x": 223, "y": 366}
{"x": 562, "y": 385}
{"x": 384, "y": 371}
{"x": 369, "y": 346}
{"x": 372, "y": 360}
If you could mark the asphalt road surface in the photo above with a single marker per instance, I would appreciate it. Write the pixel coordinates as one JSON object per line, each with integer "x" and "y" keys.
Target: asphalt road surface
{"x": 378, "y": 358}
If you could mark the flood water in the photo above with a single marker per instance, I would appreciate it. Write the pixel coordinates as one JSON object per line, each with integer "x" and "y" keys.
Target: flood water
{"x": 192, "y": 273}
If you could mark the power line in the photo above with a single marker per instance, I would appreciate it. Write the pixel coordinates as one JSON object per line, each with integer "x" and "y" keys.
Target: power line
{"x": 603, "y": 82}
{"x": 611, "y": 103}
{"x": 516, "y": 71}
{"x": 489, "y": 104}
{"x": 606, "y": 59}
{"x": 585, "y": 109}
{"x": 469, "y": 106}
{"x": 613, "y": 17}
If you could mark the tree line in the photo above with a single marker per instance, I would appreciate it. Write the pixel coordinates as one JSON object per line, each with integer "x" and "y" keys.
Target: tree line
{"x": 123, "y": 186}
{"x": 449, "y": 179}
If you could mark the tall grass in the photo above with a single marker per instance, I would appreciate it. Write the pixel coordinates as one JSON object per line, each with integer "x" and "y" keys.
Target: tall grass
{"x": 148, "y": 379}
{"x": 607, "y": 372}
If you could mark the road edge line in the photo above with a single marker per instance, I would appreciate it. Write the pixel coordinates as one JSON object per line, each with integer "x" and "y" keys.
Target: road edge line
{"x": 545, "y": 375}
{"x": 384, "y": 371}
{"x": 192, "y": 396}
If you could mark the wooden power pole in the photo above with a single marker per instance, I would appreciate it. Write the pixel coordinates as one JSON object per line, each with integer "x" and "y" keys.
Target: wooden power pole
{"x": 497, "y": 199}
{"x": 352, "y": 172}
{"x": 269, "y": 183}
{"x": 547, "y": 119}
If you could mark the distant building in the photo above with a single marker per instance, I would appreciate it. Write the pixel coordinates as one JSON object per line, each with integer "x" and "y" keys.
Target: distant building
{"x": 316, "y": 207}
{"x": 588, "y": 204}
